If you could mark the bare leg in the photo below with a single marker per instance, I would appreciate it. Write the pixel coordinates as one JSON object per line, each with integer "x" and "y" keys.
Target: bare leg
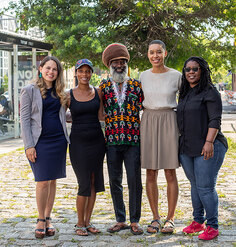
{"x": 90, "y": 202}
{"x": 172, "y": 192}
{"x": 50, "y": 201}
{"x": 152, "y": 194}
{"x": 42, "y": 190}
{"x": 80, "y": 204}
{"x": 152, "y": 191}
{"x": 89, "y": 208}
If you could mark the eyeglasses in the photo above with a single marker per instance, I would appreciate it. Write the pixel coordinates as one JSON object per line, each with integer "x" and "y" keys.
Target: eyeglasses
{"x": 194, "y": 69}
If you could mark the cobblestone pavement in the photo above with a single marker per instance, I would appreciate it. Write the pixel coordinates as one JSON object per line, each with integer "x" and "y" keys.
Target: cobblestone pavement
{"x": 18, "y": 211}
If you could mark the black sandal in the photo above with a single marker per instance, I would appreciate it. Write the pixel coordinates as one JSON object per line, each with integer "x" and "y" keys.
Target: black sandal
{"x": 50, "y": 231}
{"x": 40, "y": 233}
{"x": 155, "y": 227}
{"x": 168, "y": 229}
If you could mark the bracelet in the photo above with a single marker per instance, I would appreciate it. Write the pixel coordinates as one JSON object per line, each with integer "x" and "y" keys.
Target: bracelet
{"x": 209, "y": 141}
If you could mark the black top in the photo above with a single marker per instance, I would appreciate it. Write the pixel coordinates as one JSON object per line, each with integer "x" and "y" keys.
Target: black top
{"x": 197, "y": 112}
{"x": 84, "y": 112}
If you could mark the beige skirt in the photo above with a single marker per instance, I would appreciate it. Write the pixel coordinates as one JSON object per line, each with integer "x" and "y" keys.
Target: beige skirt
{"x": 159, "y": 139}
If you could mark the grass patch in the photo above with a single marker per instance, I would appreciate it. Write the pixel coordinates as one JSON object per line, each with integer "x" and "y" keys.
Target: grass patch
{"x": 74, "y": 241}
{"x": 64, "y": 221}
{"x": 21, "y": 216}
{"x": 12, "y": 239}
{"x": 5, "y": 221}
{"x": 33, "y": 216}
{"x": 221, "y": 195}
{"x": 232, "y": 145}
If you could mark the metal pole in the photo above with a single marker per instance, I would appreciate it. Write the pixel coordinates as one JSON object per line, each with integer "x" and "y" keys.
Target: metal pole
{"x": 34, "y": 69}
{"x": 16, "y": 93}
{"x": 10, "y": 76}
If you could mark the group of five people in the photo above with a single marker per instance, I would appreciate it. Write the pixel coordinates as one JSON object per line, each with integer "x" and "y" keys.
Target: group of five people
{"x": 163, "y": 138}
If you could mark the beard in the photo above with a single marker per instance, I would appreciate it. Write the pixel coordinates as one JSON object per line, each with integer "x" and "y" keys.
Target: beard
{"x": 119, "y": 76}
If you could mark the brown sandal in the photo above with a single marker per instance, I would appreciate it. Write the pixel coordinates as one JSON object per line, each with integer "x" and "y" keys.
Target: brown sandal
{"x": 155, "y": 228}
{"x": 50, "y": 231}
{"x": 39, "y": 232}
{"x": 92, "y": 229}
{"x": 118, "y": 227}
{"x": 136, "y": 229}
{"x": 81, "y": 230}
{"x": 168, "y": 227}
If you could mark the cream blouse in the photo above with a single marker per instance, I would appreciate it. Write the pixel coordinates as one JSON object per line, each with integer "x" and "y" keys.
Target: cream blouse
{"x": 160, "y": 89}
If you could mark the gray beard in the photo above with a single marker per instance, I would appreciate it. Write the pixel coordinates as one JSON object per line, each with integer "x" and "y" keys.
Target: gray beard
{"x": 119, "y": 77}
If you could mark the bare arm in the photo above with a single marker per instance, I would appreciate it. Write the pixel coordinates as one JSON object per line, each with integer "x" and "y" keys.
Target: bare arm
{"x": 68, "y": 113}
{"x": 208, "y": 148}
{"x": 101, "y": 114}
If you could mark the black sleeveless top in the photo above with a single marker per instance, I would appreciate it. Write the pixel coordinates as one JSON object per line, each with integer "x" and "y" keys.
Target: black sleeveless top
{"x": 84, "y": 112}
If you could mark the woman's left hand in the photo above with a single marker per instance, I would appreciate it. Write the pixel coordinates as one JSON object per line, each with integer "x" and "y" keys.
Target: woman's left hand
{"x": 208, "y": 150}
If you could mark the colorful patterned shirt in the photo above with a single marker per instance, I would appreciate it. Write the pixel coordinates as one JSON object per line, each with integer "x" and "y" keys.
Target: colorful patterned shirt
{"x": 122, "y": 111}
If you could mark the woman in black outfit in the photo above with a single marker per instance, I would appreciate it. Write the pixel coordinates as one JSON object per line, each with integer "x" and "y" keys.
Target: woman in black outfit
{"x": 87, "y": 148}
{"x": 202, "y": 145}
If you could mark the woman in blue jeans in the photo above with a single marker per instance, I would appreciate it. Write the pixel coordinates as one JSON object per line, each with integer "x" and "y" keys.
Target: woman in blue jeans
{"x": 202, "y": 146}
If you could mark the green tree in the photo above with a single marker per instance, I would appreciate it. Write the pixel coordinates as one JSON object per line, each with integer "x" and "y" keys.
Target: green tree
{"x": 5, "y": 83}
{"x": 83, "y": 28}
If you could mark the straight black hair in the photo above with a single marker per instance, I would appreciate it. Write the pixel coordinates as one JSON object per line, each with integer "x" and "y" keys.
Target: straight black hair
{"x": 159, "y": 42}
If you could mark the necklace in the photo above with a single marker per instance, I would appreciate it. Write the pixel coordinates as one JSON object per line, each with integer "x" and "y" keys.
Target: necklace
{"x": 120, "y": 93}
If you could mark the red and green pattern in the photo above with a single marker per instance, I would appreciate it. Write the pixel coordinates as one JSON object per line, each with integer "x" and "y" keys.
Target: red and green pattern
{"x": 122, "y": 122}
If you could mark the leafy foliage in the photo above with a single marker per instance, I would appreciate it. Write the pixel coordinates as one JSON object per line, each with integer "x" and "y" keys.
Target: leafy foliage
{"x": 83, "y": 28}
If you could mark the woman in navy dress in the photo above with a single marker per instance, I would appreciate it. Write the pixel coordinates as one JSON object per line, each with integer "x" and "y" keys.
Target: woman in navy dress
{"x": 42, "y": 108}
{"x": 87, "y": 145}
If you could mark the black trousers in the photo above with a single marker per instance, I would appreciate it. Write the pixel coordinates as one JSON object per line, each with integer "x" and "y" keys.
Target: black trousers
{"x": 130, "y": 155}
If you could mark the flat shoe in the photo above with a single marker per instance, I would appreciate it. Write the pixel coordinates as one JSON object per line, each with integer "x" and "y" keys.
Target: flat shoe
{"x": 156, "y": 228}
{"x": 92, "y": 229}
{"x": 168, "y": 227}
{"x": 81, "y": 230}
{"x": 136, "y": 229}
{"x": 118, "y": 227}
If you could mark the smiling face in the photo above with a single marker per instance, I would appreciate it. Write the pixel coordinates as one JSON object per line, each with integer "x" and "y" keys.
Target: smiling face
{"x": 49, "y": 72}
{"x": 156, "y": 55}
{"x": 119, "y": 65}
{"x": 192, "y": 73}
{"x": 118, "y": 70}
{"x": 84, "y": 74}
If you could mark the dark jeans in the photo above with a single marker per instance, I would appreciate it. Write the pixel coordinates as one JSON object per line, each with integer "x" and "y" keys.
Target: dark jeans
{"x": 202, "y": 175}
{"x": 130, "y": 155}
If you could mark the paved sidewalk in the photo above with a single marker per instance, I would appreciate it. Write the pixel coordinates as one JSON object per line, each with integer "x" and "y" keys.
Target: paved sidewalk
{"x": 10, "y": 145}
{"x": 18, "y": 211}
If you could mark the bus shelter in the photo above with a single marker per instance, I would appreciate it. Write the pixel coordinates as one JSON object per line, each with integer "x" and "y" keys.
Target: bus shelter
{"x": 24, "y": 56}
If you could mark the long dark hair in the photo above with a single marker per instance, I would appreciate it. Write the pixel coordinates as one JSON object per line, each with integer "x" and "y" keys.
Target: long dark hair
{"x": 205, "y": 79}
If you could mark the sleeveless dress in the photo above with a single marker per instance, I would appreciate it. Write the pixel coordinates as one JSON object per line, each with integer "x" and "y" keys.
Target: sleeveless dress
{"x": 87, "y": 144}
{"x": 52, "y": 145}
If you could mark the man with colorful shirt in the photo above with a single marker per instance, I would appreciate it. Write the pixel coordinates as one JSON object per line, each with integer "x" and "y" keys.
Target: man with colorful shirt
{"x": 122, "y": 100}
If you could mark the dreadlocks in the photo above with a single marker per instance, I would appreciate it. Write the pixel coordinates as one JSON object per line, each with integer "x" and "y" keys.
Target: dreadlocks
{"x": 205, "y": 79}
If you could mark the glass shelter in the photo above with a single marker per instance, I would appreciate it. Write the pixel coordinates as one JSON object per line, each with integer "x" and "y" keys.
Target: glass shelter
{"x": 23, "y": 56}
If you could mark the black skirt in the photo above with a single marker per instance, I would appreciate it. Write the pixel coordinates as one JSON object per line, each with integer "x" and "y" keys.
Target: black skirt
{"x": 87, "y": 150}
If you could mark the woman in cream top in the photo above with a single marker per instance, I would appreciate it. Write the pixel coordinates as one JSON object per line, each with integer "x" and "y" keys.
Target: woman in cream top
{"x": 159, "y": 133}
{"x": 160, "y": 89}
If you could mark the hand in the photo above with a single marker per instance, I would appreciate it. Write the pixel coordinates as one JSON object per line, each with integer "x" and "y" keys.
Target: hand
{"x": 208, "y": 150}
{"x": 31, "y": 154}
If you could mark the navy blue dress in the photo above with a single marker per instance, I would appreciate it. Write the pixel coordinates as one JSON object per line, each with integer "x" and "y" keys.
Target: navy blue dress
{"x": 52, "y": 145}
{"x": 87, "y": 144}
